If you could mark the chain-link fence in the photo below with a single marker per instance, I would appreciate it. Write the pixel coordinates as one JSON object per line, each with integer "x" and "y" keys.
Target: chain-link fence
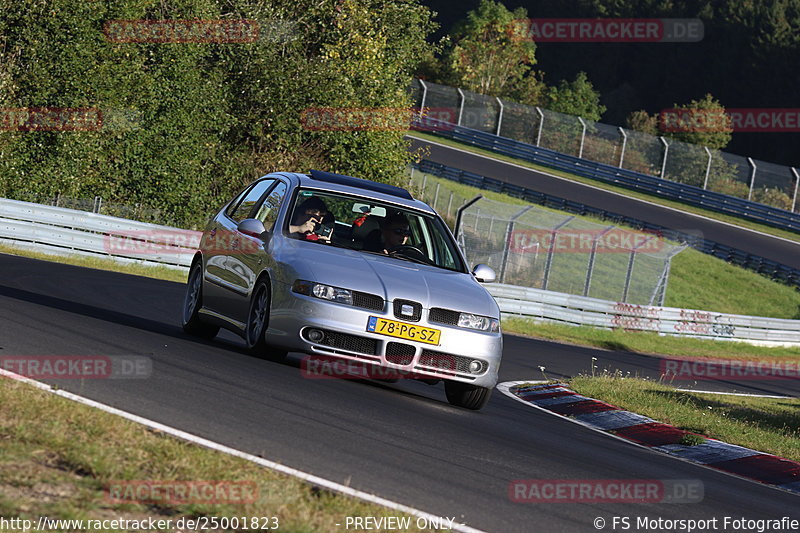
{"x": 743, "y": 177}
{"x": 533, "y": 246}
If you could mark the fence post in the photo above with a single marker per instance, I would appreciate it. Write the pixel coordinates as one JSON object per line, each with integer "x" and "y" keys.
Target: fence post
{"x": 424, "y": 183}
{"x": 549, "y": 261}
{"x": 506, "y": 244}
{"x": 449, "y": 204}
{"x": 436, "y": 196}
{"x": 752, "y": 177}
{"x": 796, "y": 182}
{"x": 590, "y": 266}
{"x": 583, "y": 137}
{"x": 499, "y": 116}
{"x": 424, "y": 96}
{"x": 708, "y": 168}
{"x": 624, "y": 144}
{"x": 461, "y": 107}
{"x": 541, "y": 123}
{"x": 664, "y": 161}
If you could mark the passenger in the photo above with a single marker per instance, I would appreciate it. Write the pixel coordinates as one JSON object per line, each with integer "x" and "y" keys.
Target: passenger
{"x": 307, "y": 221}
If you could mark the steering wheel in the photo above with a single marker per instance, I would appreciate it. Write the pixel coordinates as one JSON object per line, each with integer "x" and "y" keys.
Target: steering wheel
{"x": 411, "y": 251}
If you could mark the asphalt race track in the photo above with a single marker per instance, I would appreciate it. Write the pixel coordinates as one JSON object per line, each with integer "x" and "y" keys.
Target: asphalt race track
{"x": 401, "y": 441}
{"x": 774, "y": 248}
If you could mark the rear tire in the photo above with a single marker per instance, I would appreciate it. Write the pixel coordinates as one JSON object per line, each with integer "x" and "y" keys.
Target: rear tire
{"x": 192, "y": 303}
{"x": 466, "y": 395}
{"x": 257, "y": 323}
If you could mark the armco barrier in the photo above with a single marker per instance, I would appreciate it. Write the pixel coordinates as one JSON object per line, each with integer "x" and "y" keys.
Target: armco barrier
{"x": 550, "y": 306}
{"x": 688, "y": 194}
{"x": 59, "y": 230}
{"x": 67, "y": 231}
{"x": 767, "y": 267}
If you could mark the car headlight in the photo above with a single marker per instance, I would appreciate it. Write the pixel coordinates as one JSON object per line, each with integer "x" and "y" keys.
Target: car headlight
{"x": 324, "y": 292}
{"x": 481, "y": 323}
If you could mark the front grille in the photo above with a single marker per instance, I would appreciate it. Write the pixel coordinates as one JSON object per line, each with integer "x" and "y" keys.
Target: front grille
{"x": 368, "y": 301}
{"x": 443, "y": 316}
{"x": 399, "y": 353}
{"x": 352, "y": 343}
{"x": 416, "y": 310}
{"x": 456, "y": 364}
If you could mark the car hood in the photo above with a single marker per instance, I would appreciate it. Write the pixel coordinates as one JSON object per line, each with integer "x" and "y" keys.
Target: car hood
{"x": 389, "y": 278}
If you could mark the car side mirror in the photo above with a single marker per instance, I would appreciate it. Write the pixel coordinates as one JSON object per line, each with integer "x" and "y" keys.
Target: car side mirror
{"x": 253, "y": 227}
{"x": 484, "y": 273}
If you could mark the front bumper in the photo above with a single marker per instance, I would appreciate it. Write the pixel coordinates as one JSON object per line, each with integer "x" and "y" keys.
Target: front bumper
{"x": 345, "y": 336}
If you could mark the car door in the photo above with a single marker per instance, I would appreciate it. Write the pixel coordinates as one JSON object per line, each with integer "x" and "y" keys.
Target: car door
{"x": 229, "y": 273}
{"x": 253, "y": 256}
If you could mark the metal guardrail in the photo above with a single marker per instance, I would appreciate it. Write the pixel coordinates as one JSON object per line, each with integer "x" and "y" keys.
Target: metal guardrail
{"x": 59, "y": 230}
{"x": 67, "y": 231}
{"x": 761, "y": 265}
{"x": 549, "y": 306}
{"x": 688, "y": 194}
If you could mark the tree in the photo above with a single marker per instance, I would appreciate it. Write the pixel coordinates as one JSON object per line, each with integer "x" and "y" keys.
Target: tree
{"x": 575, "y": 98}
{"x": 641, "y": 121}
{"x": 487, "y": 54}
{"x": 702, "y": 122}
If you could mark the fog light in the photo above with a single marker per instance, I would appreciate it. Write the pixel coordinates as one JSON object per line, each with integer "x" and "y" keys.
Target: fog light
{"x": 315, "y": 335}
{"x": 475, "y": 366}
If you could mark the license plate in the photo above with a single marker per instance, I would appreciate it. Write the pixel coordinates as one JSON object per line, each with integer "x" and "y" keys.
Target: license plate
{"x": 401, "y": 330}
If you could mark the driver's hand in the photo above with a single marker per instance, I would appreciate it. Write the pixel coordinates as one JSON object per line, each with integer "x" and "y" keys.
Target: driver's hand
{"x": 308, "y": 226}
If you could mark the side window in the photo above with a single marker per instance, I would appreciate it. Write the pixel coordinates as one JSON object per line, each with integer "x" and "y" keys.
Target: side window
{"x": 268, "y": 211}
{"x": 253, "y": 195}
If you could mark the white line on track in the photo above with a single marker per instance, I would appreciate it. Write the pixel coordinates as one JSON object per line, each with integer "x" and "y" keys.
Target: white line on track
{"x": 738, "y": 394}
{"x": 309, "y": 478}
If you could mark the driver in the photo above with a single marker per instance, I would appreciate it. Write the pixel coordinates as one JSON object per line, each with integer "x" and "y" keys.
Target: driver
{"x": 307, "y": 220}
{"x": 394, "y": 232}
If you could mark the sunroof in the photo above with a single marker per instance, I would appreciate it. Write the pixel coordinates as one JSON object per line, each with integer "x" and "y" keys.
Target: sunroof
{"x": 341, "y": 179}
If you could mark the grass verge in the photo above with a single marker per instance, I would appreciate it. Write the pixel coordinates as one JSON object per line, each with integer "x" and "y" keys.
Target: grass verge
{"x": 59, "y": 459}
{"x": 646, "y": 342}
{"x": 621, "y": 190}
{"x": 100, "y": 263}
{"x": 765, "y": 424}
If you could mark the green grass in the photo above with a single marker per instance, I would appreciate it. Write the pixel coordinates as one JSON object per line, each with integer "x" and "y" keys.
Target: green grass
{"x": 701, "y": 281}
{"x": 786, "y": 234}
{"x": 769, "y": 425}
{"x": 58, "y": 458}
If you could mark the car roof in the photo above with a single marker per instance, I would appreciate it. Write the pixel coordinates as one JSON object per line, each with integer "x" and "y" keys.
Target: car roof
{"x": 340, "y": 183}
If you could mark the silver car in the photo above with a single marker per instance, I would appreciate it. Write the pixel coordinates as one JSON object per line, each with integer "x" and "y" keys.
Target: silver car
{"x": 350, "y": 270}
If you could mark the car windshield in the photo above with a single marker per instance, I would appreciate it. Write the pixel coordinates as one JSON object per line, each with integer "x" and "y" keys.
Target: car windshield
{"x": 369, "y": 226}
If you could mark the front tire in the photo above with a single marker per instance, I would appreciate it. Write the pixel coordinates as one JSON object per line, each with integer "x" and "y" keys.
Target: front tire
{"x": 257, "y": 322}
{"x": 192, "y": 303}
{"x": 466, "y": 395}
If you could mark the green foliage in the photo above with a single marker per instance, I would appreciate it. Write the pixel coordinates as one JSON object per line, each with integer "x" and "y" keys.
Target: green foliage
{"x": 643, "y": 122}
{"x": 487, "y": 55}
{"x": 704, "y": 123}
{"x": 186, "y": 124}
{"x": 577, "y": 98}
